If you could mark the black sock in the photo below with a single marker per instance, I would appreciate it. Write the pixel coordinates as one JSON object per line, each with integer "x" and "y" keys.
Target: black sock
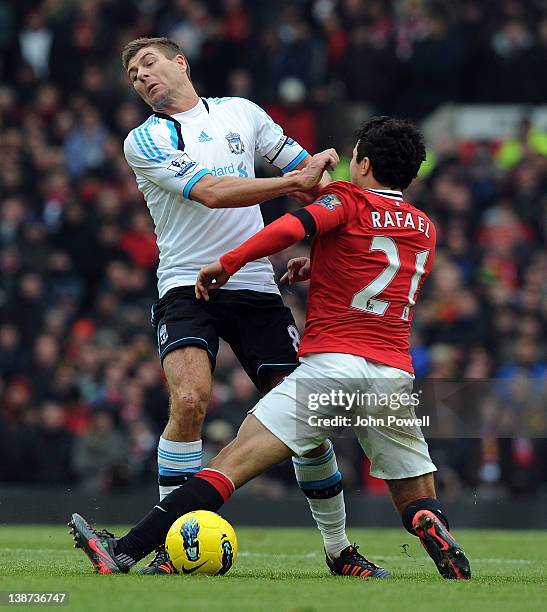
{"x": 426, "y": 503}
{"x": 150, "y": 532}
{"x": 174, "y": 481}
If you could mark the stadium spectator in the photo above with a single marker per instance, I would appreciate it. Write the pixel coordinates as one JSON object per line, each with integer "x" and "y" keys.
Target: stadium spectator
{"x": 100, "y": 454}
{"x": 294, "y": 114}
{"x": 35, "y": 41}
{"x": 53, "y": 447}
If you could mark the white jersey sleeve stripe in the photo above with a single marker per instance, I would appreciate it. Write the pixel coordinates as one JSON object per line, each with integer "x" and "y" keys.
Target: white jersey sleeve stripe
{"x": 139, "y": 144}
{"x": 159, "y": 154}
{"x": 146, "y": 145}
{"x": 292, "y": 165}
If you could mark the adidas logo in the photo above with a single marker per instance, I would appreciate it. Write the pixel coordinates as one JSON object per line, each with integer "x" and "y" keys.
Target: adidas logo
{"x": 203, "y": 137}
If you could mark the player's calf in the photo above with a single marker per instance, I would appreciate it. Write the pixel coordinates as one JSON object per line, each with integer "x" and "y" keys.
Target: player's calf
{"x": 188, "y": 374}
{"x": 321, "y": 482}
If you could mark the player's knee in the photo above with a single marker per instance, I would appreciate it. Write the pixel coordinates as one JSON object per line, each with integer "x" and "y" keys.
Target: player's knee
{"x": 188, "y": 406}
{"x": 318, "y": 450}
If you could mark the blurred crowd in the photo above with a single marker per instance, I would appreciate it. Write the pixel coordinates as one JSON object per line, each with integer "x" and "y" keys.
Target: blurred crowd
{"x": 82, "y": 396}
{"x": 396, "y": 55}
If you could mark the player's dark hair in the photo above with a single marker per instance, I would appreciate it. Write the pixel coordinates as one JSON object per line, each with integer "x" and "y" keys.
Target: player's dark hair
{"x": 395, "y": 148}
{"x": 167, "y": 46}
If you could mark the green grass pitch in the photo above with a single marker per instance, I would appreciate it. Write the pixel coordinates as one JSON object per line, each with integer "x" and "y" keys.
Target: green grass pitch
{"x": 282, "y": 570}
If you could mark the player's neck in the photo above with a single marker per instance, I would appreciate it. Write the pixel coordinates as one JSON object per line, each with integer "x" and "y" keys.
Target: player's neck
{"x": 184, "y": 101}
{"x": 369, "y": 182}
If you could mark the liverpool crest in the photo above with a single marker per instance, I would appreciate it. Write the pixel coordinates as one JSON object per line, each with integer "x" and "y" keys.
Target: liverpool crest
{"x": 163, "y": 334}
{"x": 235, "y": 143}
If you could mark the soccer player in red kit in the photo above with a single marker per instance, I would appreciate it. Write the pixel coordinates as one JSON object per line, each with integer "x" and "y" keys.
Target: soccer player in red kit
{"x": 370, "y": 255}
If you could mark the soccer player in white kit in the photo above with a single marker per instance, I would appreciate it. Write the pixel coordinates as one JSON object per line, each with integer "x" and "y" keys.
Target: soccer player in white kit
{"x": 194, "y": 163}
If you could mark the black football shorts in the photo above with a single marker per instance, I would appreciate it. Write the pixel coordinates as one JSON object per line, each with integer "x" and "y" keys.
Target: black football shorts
{"x": 259, "y": 328}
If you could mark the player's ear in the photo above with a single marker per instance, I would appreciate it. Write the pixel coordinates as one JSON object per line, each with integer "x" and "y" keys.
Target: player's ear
{"x": 366, "y": 166}
{"x": 181, "y": 61}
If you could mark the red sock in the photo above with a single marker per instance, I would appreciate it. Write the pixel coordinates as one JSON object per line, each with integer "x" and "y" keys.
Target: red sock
{"x": 222, "y": 483}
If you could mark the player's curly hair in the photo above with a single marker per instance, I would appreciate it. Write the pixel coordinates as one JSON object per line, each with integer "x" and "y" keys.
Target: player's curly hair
{"x": 395, "y": 148}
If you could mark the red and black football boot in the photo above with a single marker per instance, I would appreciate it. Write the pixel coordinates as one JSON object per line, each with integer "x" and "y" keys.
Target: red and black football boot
{"x": 441, "y": 546}
{"x": 352, "y": 563}
{"x": 160, "y": 564}
{"x": 97, "y": 545}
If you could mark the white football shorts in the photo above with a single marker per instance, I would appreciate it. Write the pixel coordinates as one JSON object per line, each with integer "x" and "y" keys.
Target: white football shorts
{"x": 374, "y": 399}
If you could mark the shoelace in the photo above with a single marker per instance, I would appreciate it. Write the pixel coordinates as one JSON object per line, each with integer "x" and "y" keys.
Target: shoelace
{"x": 103, "y": 533}
{"x": 161, "y": 556}
{"x": 353, "y": 555}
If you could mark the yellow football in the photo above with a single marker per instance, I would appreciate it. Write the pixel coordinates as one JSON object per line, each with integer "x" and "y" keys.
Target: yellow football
{"x": 201, "y": 542}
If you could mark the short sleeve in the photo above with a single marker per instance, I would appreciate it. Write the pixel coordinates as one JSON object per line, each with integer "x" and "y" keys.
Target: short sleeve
{"x": 272, "y": 144}
{"x": 158, "y": 161}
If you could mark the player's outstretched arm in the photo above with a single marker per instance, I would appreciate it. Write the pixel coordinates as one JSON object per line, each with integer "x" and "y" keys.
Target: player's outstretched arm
{"x": 277, "y": 236}
{"x": 324, "y": 215}
{"x": 232, "y": 192}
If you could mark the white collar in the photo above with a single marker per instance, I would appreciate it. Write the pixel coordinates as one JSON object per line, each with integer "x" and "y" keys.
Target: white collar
{"x": 387, "y": 193}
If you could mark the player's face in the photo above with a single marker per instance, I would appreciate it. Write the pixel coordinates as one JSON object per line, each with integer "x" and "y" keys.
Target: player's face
{"x": 156, "y": 77}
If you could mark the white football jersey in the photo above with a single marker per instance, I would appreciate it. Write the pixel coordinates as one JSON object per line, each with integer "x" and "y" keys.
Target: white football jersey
{"x": 169, "y": 154}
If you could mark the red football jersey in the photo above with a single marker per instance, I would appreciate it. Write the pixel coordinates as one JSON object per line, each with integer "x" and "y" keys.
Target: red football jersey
{"x": 369, "y": 259}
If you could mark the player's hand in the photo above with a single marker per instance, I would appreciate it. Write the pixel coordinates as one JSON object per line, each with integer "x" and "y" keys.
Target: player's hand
{"x": 298, "y": 269}
{"x": 210, "y": 277}
{"x": 307, "y": 197}
{"x": 310, "y": 176}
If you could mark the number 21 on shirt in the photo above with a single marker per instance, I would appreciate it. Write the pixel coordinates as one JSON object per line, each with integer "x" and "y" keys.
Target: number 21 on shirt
{"x": 366, "y": 299}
